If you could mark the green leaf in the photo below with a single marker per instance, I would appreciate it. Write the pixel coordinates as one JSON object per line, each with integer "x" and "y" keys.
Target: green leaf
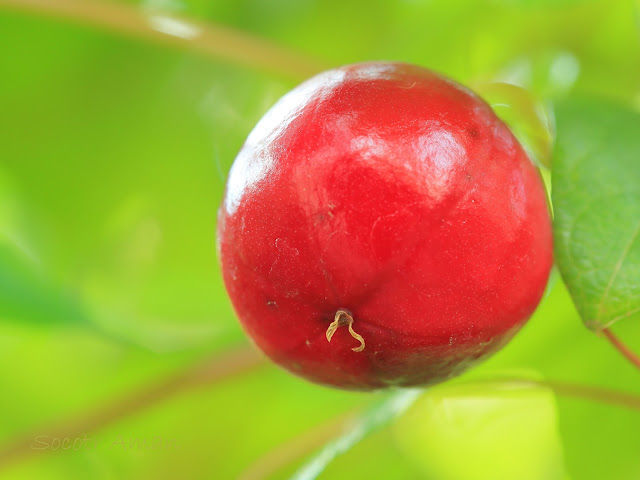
{"x": 27, "y": 295}
{"x": 481, "y": 423}
{"x": 596, "y": 198}
{"x": 373, "y": 419}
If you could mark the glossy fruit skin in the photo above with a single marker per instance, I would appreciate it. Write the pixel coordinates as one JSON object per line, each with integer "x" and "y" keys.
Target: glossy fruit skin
{"x": 395, "y": 193}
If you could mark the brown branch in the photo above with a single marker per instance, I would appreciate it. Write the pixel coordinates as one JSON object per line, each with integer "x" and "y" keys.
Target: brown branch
{"x": 633, "y": 358}
{"x": 567, "y": 389}
{"x": 214, "y": 41}
{"x": 223, "y": 366}
{"x": 594, "y": 394}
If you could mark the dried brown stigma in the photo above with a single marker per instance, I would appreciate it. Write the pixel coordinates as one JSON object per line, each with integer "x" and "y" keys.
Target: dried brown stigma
{"x": 343, "y": 317}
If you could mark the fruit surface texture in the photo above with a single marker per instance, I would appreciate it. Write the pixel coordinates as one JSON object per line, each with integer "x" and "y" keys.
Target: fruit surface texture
{"x": 382, "y": 227}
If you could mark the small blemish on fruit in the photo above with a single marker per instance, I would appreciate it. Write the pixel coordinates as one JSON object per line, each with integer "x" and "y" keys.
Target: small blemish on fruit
{"x": 272, "y": 304}
{"x": 473, "y": 132}
{"x": 307, "y": 343}
{"x": 344, "y": 317}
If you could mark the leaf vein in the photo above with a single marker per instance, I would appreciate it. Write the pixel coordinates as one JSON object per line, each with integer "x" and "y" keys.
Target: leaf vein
{"x": 616, "y": 271}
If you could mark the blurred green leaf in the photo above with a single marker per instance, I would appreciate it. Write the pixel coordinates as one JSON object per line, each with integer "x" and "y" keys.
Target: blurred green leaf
{"x": 27, "y": 295}
{"x": 596, "y": 197}
{"x": 484, "y": 432}
{"x": 555, "y": 343}
{"x": 373, "y": 419}
{"x": 27, "y": 291}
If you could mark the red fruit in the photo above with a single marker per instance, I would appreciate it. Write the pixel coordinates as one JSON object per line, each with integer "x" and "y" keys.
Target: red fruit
{"x": 389, "y": 207}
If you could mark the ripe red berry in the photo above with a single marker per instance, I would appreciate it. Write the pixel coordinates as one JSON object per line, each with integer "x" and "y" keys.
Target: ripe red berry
{"x": 381, "y": 226}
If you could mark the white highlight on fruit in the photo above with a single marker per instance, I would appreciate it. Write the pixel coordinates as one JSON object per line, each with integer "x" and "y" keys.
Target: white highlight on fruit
{"x": 373, "y": 71}
{"x": 367, "y": 147}
{"x": 259, "y": 153}
{"x": 439, "y": 152}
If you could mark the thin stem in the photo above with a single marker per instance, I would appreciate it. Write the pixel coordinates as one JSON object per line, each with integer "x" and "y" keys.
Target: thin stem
{"x": 633, "y": 358}
{"x": 297, "y": 447}
{"x": 567, "y": 389}
{"x": 214, "y": 41}
{"x": 207, "y": 373}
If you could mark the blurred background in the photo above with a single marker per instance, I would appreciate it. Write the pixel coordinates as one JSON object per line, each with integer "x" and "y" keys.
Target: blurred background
{"x": 120, "y": 356}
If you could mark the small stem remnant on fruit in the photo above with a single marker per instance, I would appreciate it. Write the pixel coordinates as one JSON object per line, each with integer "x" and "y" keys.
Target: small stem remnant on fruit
{"x": 343, "y": 317}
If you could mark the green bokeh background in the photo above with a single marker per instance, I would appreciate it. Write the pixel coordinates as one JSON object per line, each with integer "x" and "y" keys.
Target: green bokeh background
{"x": 113, "y": 155}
